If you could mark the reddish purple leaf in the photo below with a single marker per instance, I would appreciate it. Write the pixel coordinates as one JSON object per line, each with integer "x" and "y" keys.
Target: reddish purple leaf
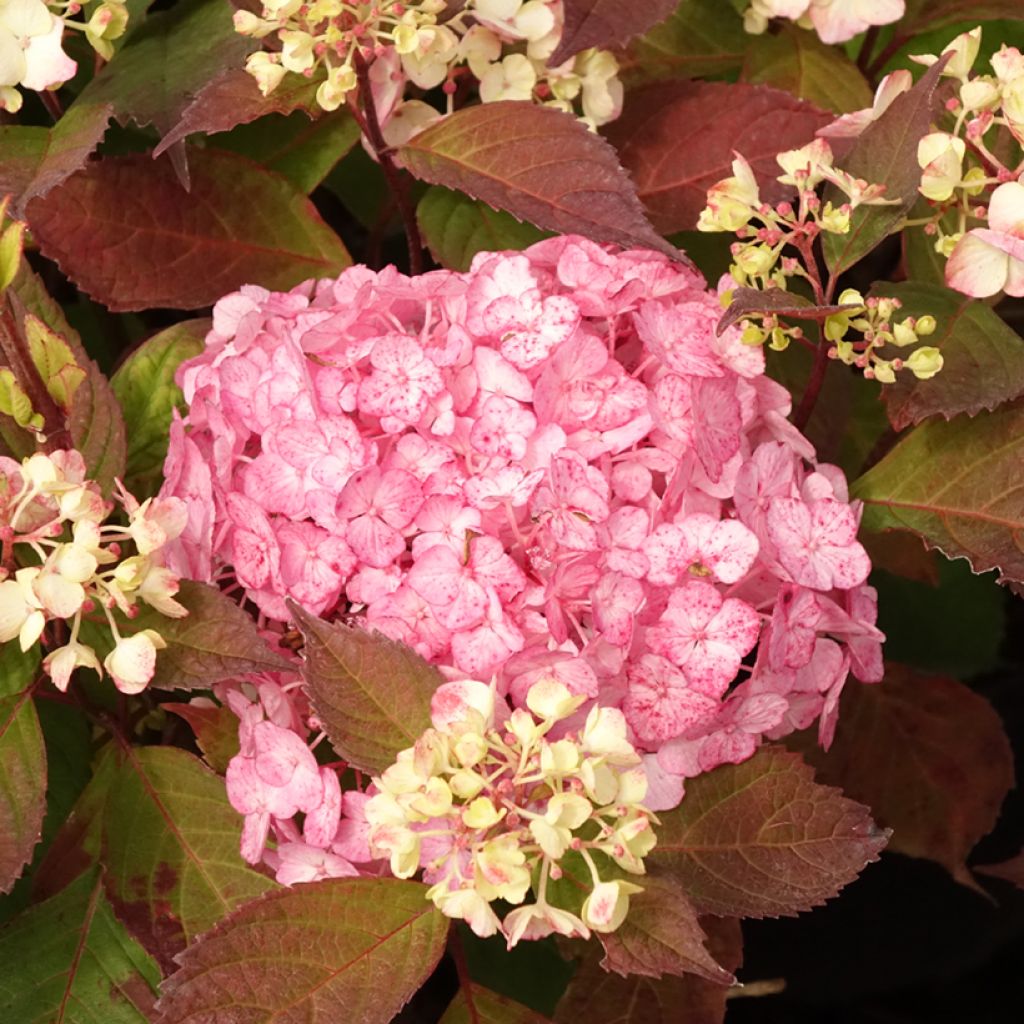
{"x": 233, "y": 98}
{"x": 677, "y": 139}
{"x": 748, "y": 301}
{"x": 929, "y": 757}
{"x": 240, "y": 224}
{"x": 885, "y": 154}
{"x": 350, "y": 950}
{"x": 539, "y": 164}
{"x": 474, "y": 1004}
{"x": 763, "y": 839}
{"x": 215, "y": 728}
{"x": 661, "y": 935}
{"x": 598, "y": 997}
{"x": 606, "y": 23}
{"x": 34, "y": 160}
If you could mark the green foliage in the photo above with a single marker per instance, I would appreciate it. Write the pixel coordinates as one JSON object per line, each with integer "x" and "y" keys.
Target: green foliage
{"x": 145, "y": 387}
{"x": 69, "y": 960}
{"x": 455, "y": 228}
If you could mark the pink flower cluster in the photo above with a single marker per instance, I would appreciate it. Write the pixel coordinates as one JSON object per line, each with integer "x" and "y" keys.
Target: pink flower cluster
{"x": 548, "y": 467}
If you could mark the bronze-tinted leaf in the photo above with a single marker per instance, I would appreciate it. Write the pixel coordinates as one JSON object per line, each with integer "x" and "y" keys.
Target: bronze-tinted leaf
{"x": 474, "y": 1004}
{"x": 351, "y": 950}
{"x": 677, "y": 139}
{"x": 539, "y": 164}
{"x": 957, "y": 484}
{"x": 239, "y": 224}
{"x": 371, "y": 694}
{"x": 606, "y": 23}
{"x": 927, "y": 755}
{"x": 763, "y": 839}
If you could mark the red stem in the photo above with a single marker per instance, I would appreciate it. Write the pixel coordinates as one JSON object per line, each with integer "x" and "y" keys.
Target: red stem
{"x": 866, "y": 48}
{"x": 462, "y": 970}
{"x": 385, "y": 154}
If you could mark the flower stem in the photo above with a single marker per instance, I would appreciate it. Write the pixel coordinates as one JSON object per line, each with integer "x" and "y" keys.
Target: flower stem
{"x": 384, "y": 153}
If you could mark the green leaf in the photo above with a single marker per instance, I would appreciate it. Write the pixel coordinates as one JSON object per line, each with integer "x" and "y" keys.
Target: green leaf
{"x": 302, "y": 150}
{"x": 661, "y": 935}
{"x": 22, "y": 763}
{"x": 95, "y": 422}
{"x": 598, "y": 997}
{"x": 371, "y": 694}
{"x": 239, "y": 224}
{"x": 54, "y": 360}
{"x": 930, "y": 758}
{"x": 170, "y": 842}
{"x": 455, "y": 228}
{"x": 477, "y": 1005}
{"x": 797, "y": 61}
{"x": 217, "y": 640}
{"x": 35, "y": 160}
{"x": 958, "y": 485}
{"x": 144, "y": 385}
{"x": 983, "y": 359}
{"x": 541, "y": 165}
{"x": 920, "y": 260}
{"x": 763, "y": 839}
{"x": 702, "y": 37}
{"x": 215, "y": 728}
{"x": 884, "y": 154}
{"x": 351, "y": 950}
{"x": 16, "y": 404}
{"x": 166, "y": 61}
{"x": 70, "y": 961}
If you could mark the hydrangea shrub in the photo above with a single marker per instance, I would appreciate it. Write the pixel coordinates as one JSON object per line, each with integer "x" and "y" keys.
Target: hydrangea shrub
{"x": 463, "y": 475}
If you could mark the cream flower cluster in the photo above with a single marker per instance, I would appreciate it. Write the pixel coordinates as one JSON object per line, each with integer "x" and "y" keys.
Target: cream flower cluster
{"x": 31, "y": 42}
{"x": 491, "y": 805}
{"x": 53, "y": 525}
{"x": 503, "y": 44}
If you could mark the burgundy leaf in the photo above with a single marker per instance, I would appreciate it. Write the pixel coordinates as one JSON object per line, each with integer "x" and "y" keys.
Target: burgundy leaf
{"x": 606, "y": 23}
{"x": 929, "y": 757}
{"x": 539, "y": 164}
{"x": 678, "y": 138}
{"x": 240, "y": 224}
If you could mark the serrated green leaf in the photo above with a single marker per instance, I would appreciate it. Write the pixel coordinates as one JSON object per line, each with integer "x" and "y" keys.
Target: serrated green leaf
{"x": 371, "y": 694}
{"x": 958, "y": 485}
{"x": 455, "y": 228}
{"x": 16, "y": 404}
{"x": 22, "y": 763}
{"x": 145, "y": 387}
{"x": 70, "y": 961}
{"x": 702, "y": 37}
{"x": 302, "y": 150}
{"x": 354, "y": 950}
{"x": 170, "y": 842}
{"x": 763, "y": 839}
{"x": 797, "y": 61}
{"x": 54, "y": 360}
{"x": 95, "y": 422}
{"x": 215, "y": 728}
{"x": 983, "y": 359}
